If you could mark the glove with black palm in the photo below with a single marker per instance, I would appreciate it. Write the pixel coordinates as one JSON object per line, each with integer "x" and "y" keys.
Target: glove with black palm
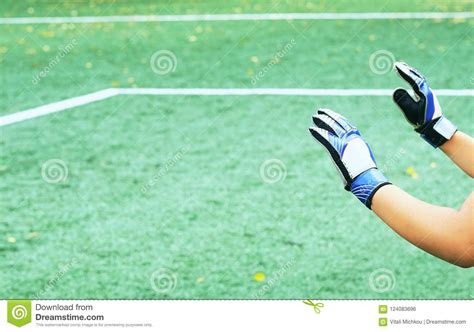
{"x": 351, "y": 154}
{"x": 424, "y": 113}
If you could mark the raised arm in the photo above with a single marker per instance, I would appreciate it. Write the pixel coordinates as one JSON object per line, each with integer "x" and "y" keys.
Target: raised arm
{"x": 425, "y": 115}
{"x": 443, "y": 232}
{"x": 440, "y": 231}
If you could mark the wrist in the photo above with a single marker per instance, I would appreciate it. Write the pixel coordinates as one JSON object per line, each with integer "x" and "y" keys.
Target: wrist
{"x": 448, "y": 146}
{"x": 438, "y": 131}
{"x": 366, "y": 184}
{"x": 381, "y": 198}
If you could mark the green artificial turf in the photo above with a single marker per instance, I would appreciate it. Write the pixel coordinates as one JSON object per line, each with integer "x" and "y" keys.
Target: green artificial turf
{"x": 160, "y": 182}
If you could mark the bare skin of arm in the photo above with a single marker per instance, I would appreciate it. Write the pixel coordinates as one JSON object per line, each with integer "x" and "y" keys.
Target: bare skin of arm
{"x": 460, "y": 148}
{"x": 440, "y": 231}
{"x": 443, "y": 232}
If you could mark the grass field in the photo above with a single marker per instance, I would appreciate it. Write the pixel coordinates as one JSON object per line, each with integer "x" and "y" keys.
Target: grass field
{"x": 171, "y": 185}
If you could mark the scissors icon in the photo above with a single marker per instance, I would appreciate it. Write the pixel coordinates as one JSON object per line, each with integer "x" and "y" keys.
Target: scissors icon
{"x": 315, "y": 306}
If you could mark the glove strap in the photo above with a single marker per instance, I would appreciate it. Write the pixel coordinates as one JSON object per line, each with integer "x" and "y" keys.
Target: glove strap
{"x": 366, "y": 184}
{"x": 437, "y": 131}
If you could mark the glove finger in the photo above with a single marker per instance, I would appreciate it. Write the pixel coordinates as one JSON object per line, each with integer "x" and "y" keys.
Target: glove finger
{"x": 410, "y": 75}
{"x": 331, "y": 142}
{"x": 411, "y": 109}
{"x": 326, "y": 122}
{"x": 321, "y": 135}
{"x": 338, "y": 118}
{"x": 334, "y": 146}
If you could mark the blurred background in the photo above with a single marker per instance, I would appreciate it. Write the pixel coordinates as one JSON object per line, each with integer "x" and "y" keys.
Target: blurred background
{"x": 137, "y": 194}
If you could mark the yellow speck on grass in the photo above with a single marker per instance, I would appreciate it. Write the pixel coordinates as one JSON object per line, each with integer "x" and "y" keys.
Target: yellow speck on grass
{"x": 88, "y": 65}
{"x": 46, "y": 48}
{"x": 433, "y": 165}
{"x": 29, "y": 28}
{"x": 30, "y": 10}
{"x": 372, "y": 37}
{"x": 11, "y": 239}
{"x": 411, "y": 171}
{"x": 116, "y": 84}
{"x": 3, "y": 50}
{"x": 32, "y": 235}
{"x": 250, "y": 72}
{"x": 192, "y": 38}
{"x": 47, "y": 33}
{"x": 254, "y": 59}
{"x": 259, "y": 276}
{"x": 30, "y": 51}
{"x": 200, "y": 280}
{"x": 198, "y": 29}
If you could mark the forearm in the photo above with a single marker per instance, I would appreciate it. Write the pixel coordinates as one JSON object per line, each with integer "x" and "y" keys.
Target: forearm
{"x": 443, "y": 232}
{"x": 460, "y": 148}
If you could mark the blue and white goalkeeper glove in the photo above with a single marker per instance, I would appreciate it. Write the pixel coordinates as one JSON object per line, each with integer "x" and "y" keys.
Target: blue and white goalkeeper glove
{"x": 424, "y": 113}
{"x": 350, "y": 153}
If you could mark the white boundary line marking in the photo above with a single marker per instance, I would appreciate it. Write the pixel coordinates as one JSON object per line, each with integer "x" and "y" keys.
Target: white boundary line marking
{"x": 237, "y": 17}
{"x": 56, "y": 107}
{"x": 107, "y": 93}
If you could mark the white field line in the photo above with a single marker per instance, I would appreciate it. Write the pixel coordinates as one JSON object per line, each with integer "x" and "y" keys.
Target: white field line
{"x": 56, "y": 107}
{"x": 237, "y": 17}
{"x": 107, "y": 93}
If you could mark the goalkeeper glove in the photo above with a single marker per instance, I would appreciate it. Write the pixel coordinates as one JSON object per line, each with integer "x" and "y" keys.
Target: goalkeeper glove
{"x": 424, "y": 113}
{"x": 350, "y": 153}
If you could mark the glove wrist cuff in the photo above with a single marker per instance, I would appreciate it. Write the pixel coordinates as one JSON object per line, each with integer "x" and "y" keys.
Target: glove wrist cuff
{"x": 366, "y": 185}
{"x": 437, "y": 131}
